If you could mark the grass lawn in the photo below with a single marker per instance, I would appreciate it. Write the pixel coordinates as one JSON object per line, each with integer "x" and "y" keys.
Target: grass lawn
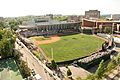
{"x": 9, "y": 70}
{"x": 72, "y": 47}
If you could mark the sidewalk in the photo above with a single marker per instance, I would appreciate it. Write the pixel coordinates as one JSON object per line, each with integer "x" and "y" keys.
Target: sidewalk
{"x": 76, "y": 72}
{"x": 114, "y": 74}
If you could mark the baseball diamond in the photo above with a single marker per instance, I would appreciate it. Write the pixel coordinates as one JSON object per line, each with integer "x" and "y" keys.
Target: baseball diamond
{"x": 72, "y": 47}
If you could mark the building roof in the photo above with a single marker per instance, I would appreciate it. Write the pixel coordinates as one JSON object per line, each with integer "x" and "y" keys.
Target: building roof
{"x": 54, "y": 23}
{"x": 109, "y": 21}
{"x": 102, "y": 21}
{"x": 44, "y": 24}
{"x": 26, "y": 26}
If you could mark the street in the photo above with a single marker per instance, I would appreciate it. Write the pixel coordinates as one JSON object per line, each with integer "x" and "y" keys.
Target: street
{"x": 33, "y": 63}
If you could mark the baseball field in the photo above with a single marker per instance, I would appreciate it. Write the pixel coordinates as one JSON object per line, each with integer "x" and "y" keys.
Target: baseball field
{"x": 70, "y": 47}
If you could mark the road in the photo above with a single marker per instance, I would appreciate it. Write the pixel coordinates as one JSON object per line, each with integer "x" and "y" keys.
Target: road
{"x": 33, "y": 63}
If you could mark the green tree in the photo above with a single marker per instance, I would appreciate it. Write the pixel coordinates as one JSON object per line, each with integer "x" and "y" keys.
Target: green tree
{"x": 1, "y": 34}
{"x": 7, "y": 40}
{"x": 5, "y": 48}
{"x": 17, "y": 55}
{"x": 108, "y": 29}
{"x": 117, "y": 58}
{"x": 60, "y": 18}
{"x": 53, "y": 64}
{"x": 100, "y": 71}
{"x": 111, "y": 64}
{"x": 24, "y": 69}
{"x": 13, "y": 25}
{"x": 2, "y": 25}
{"x": 90, "y": 77}
{"x": 69, "y": 73}
{"x": 103, "y": 46}
{"x": 78, "y": 78}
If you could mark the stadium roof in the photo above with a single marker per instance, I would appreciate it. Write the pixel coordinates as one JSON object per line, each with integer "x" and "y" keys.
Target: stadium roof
{"x": 54, "y": 23}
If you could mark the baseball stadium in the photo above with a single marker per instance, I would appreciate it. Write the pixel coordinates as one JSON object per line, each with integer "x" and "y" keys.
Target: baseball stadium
{"x": 61, "y": 41}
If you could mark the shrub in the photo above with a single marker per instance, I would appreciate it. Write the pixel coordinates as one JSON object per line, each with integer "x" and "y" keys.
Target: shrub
{"x": 100, "y": 71}
{"x": 111, "y": 64}
{"x": 90, "y": 77}
{"x": 108, "y": 29}
{"x": 37, "y": 54}
{"x": 79, "y": 78}
{"x": 16, "y": 55}
{"x": 53, "y": 64}
{"x": 117, "y": 58}
{"x": 24, "y": 69}
{"x": 69, "y": 73}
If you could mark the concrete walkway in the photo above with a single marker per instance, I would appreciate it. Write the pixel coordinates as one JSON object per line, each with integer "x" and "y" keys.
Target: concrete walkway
{"x": 76, "y": 72}
{"x": 114, "y": 74}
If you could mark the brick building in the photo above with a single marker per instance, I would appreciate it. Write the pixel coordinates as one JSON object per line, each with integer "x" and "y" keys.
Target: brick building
{"x": 97, "y": 25}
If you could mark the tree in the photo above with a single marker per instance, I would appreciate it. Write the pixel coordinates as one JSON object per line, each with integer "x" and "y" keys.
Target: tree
{"x": 104, "y": 45}
{"x": 117, "y": 58}
{"x": 90, "y": 77}
{"x": 2, "y": 25}
{"x": 69, "y": 73}
{"x": 108, "y": 29}
{"x": 4, "y": 48}
{"x": 53, "y": 64}
{"x": 13, "y": 24}
{"x": 24, "y": 69}
{"x": 7, "y": 40}
{"x": 111, "y": 64}
{"x": 78, "y": 78}
{"x": 100, "y": 71}
{"x": 17, "y": 55}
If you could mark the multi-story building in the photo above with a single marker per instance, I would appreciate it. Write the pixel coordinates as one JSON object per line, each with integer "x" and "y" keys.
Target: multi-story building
{"x": 115, "y": 17}
{"x": 101, "y": 25}
{"x": 50, "y": 16}
{"x": 92, "y": 14}
{"x": 112, "y": 17}
{"x": 1, "y": 18}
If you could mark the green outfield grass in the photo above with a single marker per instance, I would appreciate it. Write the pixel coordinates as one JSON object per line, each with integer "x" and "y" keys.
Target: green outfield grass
{"x": 72, "y": 47}
{"x": 9, "y": 70}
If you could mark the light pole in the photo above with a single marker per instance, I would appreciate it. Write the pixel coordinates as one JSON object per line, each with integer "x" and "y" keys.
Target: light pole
{"x": 112, "y": 28}
{"x": 52, "y": 53}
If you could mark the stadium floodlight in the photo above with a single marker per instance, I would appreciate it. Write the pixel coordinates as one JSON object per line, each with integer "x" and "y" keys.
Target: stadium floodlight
{"x": 52, "y": 53}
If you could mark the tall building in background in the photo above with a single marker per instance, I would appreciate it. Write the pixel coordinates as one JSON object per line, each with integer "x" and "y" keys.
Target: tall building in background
{"x": 92, "y": 14}
{"x": 1, "y": 19}
{"x": 116, "y": 17}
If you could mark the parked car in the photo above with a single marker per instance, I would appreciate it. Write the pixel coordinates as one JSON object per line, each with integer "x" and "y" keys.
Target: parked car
{"x": 38, "y": 77}
{"x": 33, "y": 72}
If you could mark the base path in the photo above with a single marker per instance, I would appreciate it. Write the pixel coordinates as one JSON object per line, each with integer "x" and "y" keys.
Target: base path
{"x": 52, "y": 39}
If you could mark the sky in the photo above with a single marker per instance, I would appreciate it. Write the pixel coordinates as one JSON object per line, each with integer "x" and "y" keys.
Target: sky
{"x": 15, "y": 8}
